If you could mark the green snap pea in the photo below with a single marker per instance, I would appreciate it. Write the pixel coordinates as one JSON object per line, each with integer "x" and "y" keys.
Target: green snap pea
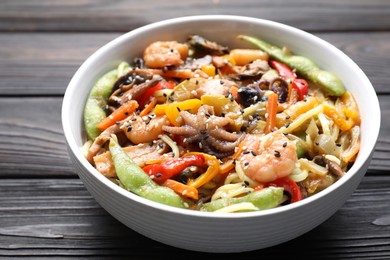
{"x": 134, "y": 179}
{"x": 97, "y": 99}
{"x": 330, "y": 82}
{"x": 265, "y": 198}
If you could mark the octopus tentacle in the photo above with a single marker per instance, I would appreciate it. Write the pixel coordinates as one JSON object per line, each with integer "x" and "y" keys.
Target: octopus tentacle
{"x": 206, "y": 130}
{"x": 182, "y": 130}
{"x": 223, "y": 134}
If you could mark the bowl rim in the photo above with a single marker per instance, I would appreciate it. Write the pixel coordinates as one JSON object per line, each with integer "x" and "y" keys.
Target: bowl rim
{"x": 75, "y": 149}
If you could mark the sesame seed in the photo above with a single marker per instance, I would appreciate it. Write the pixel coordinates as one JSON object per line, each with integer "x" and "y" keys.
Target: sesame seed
{"x": 246, "y": 152}
{"x": 285, "y": 144}
{"x": 253, "y": 153}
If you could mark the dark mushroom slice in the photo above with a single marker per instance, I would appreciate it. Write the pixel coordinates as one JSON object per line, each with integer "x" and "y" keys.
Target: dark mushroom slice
{"x": 280, "y": 87}
{"x": 207, "y": 46}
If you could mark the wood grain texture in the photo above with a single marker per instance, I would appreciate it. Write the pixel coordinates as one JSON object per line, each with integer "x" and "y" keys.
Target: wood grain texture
{"x": 74, "y": 15}
{"x": 45, "y": 210}
{"x": 56, "y": 217}
{"x": 43, "y": 64}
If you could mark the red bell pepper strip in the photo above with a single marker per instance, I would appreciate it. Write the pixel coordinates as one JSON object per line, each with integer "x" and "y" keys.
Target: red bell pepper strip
{"x": 287, "y": 73}
{"x": 168, "y": 169}
{"x": 144, "y": 98}
{"x": 283, "y": 70}
{"x": 289, "y": 186}
{"x": 302, "y": 86}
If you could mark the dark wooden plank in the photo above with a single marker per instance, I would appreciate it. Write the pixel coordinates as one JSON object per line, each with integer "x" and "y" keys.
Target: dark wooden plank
{"x": 43, "y": 64}
{"x": 57, "y": 217}
{"x": 96, "y": 15}
{"x": 32, "y": 141}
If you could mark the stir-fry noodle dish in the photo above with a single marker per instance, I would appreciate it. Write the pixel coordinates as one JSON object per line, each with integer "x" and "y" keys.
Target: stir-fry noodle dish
{"x": 202, "y": 126}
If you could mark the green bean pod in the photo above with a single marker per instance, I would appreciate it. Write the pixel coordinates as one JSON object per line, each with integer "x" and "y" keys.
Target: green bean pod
{"x": 97, "y": 99}
{"x": 135, "y": 180}
{"x": 330, "y": 82}
{"x": 265, "y": 198}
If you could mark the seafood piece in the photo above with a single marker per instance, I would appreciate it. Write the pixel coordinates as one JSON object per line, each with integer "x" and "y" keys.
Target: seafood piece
{"x": 140, "y": 154}
{"x": 144, "y": 129}
{"x": 268, "y": 157}
{"x": 206, "y": 130}
{"x": 254, "y": 69}
{"x": 215, "y": 87}
{"x": 134, "y": 89}
{"x": 99, "y": 141}
{"x": 162, "y": 54}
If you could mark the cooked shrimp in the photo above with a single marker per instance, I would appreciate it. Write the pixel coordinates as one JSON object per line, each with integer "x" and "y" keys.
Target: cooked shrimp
{"x": 161, "y": 54}
{"x": 268, "y": 157}
{"x": 215, "y": 87}
{"x": 97, "y": 145}
{"x": 144, "y": 129}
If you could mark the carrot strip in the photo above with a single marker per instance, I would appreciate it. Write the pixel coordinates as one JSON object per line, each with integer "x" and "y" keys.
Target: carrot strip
{"x": 226, "y": 167}
{"x": 272, "y": 106}
{"x": 121, "y": 113}
{"x": 148, "y": 107}
{"x": 182, "y": 189}
{"x": 234, "y": 91}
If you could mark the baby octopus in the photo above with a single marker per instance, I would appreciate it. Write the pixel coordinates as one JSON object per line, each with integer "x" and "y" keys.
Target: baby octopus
{"x": 207, "y": 131}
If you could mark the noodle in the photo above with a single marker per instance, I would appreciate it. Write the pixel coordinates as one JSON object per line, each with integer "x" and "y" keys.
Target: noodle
{"x": 222, "y": 125}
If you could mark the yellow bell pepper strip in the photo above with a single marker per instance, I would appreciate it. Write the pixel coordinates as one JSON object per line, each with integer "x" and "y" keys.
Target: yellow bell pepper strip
{"x": 350, "y": 107}
{"x": 173, "y": 167}
{"x": 212, "y": 171}
{"x": 172, "y": 110}
{"x": 342, "y": 123}
{"x": 209, "y": 69}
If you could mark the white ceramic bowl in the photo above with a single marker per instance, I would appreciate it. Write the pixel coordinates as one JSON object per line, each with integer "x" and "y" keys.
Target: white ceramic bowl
{"x": 218, "y": 232}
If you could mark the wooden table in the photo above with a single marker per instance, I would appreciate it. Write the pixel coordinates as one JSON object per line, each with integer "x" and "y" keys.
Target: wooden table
{"x": 45, "y": 211}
